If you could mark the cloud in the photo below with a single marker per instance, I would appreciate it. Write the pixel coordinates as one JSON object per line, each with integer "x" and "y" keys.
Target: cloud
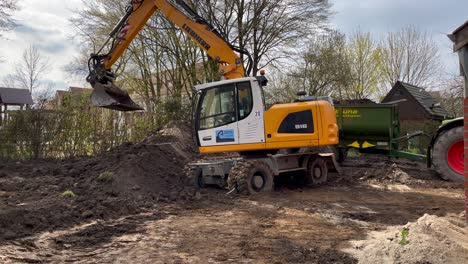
{"x": 39, "y": 33}
{"x": 50, "y": 41}
{"x": 44, "y": 24}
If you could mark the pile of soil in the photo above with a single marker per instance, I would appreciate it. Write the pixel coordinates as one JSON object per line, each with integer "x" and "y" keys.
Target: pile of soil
{"x": 430, "y": 239}
{"x": 381, "y": 170}
{"x": 42, "y": 195}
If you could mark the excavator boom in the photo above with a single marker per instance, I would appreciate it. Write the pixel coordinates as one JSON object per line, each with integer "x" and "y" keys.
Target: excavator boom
{"x": 106, "y": 94}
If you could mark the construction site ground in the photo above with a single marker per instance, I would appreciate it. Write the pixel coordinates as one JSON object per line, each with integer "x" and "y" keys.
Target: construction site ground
{"x": 134, "y": 205}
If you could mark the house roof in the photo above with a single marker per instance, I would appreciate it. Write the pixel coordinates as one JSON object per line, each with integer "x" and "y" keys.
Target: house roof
{"x": 424, "y": 98}
{"x": 73, "y": 90}
{"x": 79, "y": 90}
{"x": 15, "y": 96}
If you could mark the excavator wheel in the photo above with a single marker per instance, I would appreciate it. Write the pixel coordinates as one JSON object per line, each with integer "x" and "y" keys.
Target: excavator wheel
{"x": 251, "y": 177}
{"x": 317, "y": 171}
{"x": 195, "y": 176}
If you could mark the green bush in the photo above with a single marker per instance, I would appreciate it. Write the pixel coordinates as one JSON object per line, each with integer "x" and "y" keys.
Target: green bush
{"x": 78, "y": 129}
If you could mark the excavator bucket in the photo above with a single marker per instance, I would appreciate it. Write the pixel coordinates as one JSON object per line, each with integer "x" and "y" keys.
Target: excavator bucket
{"x": 110, "y": 96}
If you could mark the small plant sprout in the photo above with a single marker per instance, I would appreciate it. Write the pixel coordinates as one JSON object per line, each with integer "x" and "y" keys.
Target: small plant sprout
{"x": 69, "y": 193}
{"x": 106, "y": 176}
{"x": 404, "y": 237}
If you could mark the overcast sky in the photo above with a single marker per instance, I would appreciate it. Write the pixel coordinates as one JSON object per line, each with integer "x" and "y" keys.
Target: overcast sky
{"x": 45, "y": 24}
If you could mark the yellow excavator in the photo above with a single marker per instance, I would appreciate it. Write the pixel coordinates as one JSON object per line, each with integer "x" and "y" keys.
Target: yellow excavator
{"x": 231, "y": 115}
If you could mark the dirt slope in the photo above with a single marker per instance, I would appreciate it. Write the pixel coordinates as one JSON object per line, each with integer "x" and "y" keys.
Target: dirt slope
{"x": 124, "y": 181}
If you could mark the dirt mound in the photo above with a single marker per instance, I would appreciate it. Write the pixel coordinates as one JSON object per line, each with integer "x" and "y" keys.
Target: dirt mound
{"x": 179, "y": 134}
{"x": 382, "y": 170}
{"x": 430, "y": 239}
{"x": 47, "y": 194}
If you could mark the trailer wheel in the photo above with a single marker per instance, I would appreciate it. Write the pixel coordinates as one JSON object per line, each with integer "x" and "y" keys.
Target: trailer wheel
{"x": 317, "y": 171}
{"x": 448, "y": 155}
{"x": 251, "y": 177}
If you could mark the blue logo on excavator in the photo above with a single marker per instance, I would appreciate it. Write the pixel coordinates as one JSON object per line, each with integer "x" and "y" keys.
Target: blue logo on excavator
{"x": 227, "y": 135}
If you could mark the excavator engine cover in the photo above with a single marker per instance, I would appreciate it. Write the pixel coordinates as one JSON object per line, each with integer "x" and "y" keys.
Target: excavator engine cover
{"x": 112, "y": 97}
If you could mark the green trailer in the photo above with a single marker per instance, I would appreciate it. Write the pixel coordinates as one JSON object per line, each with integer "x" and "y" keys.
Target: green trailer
{"x": 372, "y": 128}
{"x": 375, "y": 129}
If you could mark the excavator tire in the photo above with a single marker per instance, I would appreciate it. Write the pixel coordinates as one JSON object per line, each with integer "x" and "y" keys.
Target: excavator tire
{"x": 251, "y": 177}
{"x": 195, "y": 176}
{"x": 317, "y": 172}
{"x": 448, "y": 155}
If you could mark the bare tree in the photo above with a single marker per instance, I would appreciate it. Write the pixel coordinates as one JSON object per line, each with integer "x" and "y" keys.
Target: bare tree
{"x": 411, "y": 56}
{"x": 29, "y": 71}
{"x": 267, "y": 29}
{"x": 325, "y": 68}
{"x": 6, "y": 9}
{"x": 43, "y": 96}
{"x": 363, "y": 57}
{"x": 451, "y": 96}
{"x": 282, "y": 88}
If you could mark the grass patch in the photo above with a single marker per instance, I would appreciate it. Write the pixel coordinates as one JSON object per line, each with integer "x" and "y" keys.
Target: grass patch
{"x": 404, "y": 237}
{"x": 353, "y": 153}
{"x": 69, "y": 193}
{"x": 105, "y": 176}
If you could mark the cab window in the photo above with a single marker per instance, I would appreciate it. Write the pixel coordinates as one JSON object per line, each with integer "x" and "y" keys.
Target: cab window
{"x": 244, "y": 100}
{"x": 218, "y": 107}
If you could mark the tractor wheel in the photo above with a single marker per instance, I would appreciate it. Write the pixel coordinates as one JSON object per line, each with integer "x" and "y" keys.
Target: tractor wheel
{"x": 448, "y": 155}
{"x": 317, "y": 171}
{"x": 251, "y": 177}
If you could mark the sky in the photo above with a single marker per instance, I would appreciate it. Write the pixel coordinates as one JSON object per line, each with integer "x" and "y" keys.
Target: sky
{"x": 45, "y": 24}
{"x": 437, "y": 17}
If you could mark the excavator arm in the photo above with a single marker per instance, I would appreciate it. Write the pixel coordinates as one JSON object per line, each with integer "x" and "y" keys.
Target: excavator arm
{"x": 101, "y": 77}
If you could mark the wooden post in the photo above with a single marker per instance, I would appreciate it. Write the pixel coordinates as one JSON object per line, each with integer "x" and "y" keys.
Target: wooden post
{"x": 463, "y": 53}
{"x": 460, "y": 40}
